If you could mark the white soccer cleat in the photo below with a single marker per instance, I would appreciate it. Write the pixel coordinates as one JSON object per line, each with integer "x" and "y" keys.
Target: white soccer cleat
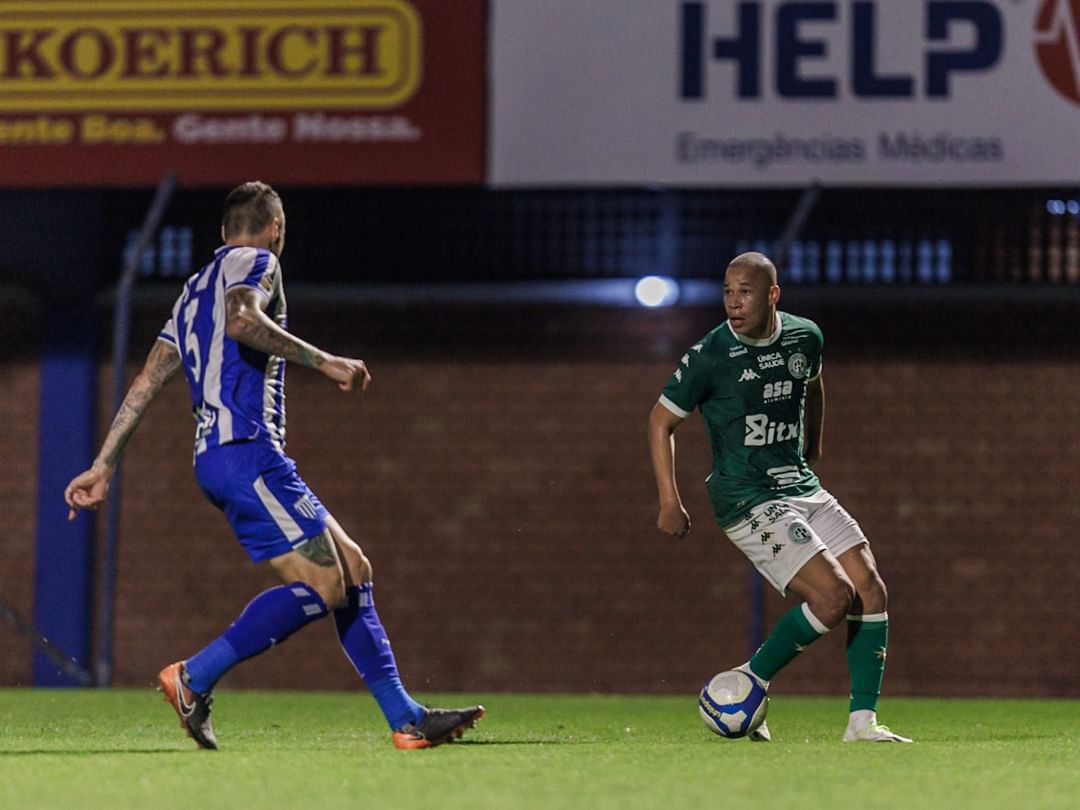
{"x": 746, "y": 668}
{"x": 873, "y": 732}
{"x": 761, "y": 733}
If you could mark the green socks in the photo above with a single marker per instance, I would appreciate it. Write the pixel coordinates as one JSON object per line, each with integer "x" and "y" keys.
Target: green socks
{"x": 868, "y": 638}
{"x": 794, "y": 632}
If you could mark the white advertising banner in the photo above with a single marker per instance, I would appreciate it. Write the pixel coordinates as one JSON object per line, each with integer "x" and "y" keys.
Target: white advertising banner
{"x": 785, "y": 92}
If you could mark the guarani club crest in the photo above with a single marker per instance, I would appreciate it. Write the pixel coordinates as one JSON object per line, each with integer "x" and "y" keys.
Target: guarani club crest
{"x": 798, "y": 366}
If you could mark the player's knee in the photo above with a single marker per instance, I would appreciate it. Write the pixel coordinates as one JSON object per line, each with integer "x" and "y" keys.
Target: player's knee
{"x": 357, "y": 566}
{"x": 356, "y": 563}
{"x": 335, "y": 597}
{"x": 832, "y": 605}
{"x": 873, "y": 596}
{"x": 330, "y": 585}
{"x": 363, "y": 571}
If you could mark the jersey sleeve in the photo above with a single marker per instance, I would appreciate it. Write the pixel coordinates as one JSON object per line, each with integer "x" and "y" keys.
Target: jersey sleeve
{"x": 816, "y": 364}
{"x": 250, "y": 267}
{"x": 689, "y": 384}
{"x": 168, "y": 333}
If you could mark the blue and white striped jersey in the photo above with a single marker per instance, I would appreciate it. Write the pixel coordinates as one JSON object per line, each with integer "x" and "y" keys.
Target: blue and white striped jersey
{"x": 236, "y": 392}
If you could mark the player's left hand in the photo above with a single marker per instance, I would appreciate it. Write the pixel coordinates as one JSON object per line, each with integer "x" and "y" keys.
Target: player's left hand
{"x": 87, "y": 490}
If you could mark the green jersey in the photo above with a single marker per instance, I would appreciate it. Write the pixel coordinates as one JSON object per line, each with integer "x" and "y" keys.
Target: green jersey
{"x": 752, "y": 395}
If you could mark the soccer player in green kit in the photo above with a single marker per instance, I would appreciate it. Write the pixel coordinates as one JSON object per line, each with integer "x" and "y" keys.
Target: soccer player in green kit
{"x": 756, "y": 378}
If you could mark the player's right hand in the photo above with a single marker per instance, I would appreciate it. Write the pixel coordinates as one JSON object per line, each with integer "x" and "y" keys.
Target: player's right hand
{"x": 347, "y": 372}
{"x": 674, "y": 520}
{"x": 87, "y": 490}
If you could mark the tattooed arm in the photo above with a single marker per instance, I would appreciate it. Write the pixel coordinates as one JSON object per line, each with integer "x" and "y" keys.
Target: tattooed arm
{"x": 88, "y": 489}
{"x": 247, "y": 323}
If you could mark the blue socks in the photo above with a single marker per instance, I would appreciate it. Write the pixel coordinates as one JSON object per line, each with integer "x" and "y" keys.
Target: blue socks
{"x": 365, "y": 643}
{"x": 274, "y": 615}
{"x": 269, "y": 619}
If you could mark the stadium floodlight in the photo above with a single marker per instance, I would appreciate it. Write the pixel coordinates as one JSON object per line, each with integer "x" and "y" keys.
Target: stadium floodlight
{"x": 656, "y": 291}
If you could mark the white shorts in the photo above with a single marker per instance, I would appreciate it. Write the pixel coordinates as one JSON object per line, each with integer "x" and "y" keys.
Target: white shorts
{"x": 779, "y": 537}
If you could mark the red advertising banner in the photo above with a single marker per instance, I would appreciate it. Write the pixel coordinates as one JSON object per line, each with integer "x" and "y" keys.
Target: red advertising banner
{"x": 117, "y": 92}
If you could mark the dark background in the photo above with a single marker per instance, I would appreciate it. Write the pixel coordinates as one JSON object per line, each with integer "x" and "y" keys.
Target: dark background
{"x": 497, "y": 471}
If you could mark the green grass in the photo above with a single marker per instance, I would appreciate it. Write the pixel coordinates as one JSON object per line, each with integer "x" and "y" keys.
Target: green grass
{"x": 123, "y": 749}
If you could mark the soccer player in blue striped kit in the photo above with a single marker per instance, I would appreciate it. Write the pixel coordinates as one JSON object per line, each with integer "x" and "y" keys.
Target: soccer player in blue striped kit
{"x": 228, "y": 333}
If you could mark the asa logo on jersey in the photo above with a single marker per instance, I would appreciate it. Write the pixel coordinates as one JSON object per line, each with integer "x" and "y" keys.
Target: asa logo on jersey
{"x": 207, "y": 54}
{"x": 958, "y": 36}
{"x": 1057, "y": 45}
{"x": 777, "y": 391}
{"x": 761, "y": 432}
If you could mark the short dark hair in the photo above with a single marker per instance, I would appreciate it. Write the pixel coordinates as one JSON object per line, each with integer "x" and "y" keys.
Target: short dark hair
{"x": 249, "y": 208}
{"x": 758, "y": 262}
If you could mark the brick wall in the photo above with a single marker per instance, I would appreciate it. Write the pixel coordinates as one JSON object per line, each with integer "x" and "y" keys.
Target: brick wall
{"x": 497, "y": 475}
{"x": 19, "y": 385}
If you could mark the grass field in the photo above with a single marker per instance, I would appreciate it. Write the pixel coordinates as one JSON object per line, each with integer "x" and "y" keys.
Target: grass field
{"x": 124, "y": 749}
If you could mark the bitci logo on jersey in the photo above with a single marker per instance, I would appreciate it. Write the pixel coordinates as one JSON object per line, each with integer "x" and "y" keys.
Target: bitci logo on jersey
{"x": 1057, "y": 45}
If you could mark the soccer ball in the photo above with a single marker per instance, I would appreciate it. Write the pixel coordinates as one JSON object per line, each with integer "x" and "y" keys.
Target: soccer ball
{"x": 732, "y": 704}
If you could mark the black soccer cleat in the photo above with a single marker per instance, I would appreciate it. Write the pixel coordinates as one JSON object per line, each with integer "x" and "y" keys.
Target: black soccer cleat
{"x": 192, "y": 708}
{"x": 438, "y": 726}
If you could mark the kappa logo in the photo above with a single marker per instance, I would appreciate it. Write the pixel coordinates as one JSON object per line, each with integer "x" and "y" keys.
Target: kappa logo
{"x": 748, "y": 375}
{"x": 1057, "y": 45}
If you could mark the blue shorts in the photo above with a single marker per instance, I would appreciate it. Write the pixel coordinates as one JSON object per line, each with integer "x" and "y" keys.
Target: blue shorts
{"x": 268, "y": 505}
